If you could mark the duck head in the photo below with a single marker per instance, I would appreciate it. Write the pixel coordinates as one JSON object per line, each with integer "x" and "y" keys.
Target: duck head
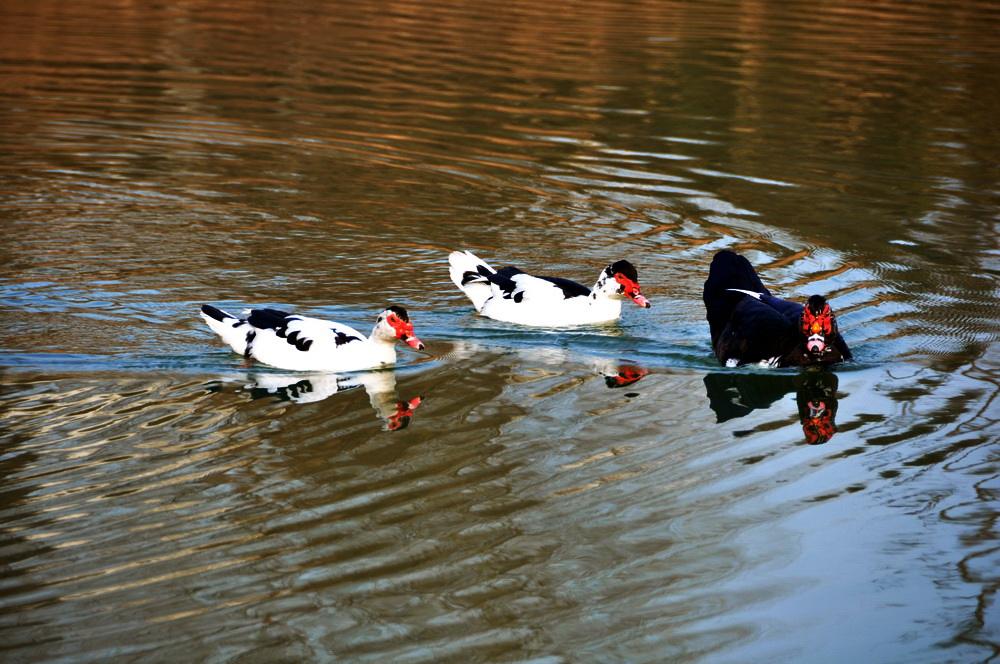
{"x": 818, "y": 326}
{"x": 620, "y": 280}
{"x": 394, "y": 323}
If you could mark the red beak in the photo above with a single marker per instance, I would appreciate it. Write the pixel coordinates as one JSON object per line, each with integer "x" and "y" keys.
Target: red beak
{"x": 641, "y": 300}
{"x": 414, "y": 342}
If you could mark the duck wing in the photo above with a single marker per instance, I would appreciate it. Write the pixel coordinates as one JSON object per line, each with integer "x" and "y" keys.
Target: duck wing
{"x": 513, "y": 284}
{"x": 756, "y": 331}
{"x": 791, "y": 311}
{"x": 280, "y": 334}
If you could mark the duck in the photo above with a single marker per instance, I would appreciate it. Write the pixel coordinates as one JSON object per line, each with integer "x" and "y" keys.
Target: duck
{"x": 298, "y": 343}
{"x": 511, "y": 295}
{"x": 749, "y": 325}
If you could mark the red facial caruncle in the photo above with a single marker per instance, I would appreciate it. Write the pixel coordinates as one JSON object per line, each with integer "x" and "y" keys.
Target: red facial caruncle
{"x": 404, "y": 331}
{"x": 817, "y": 424}
{"x": 630, "y": 289}
{"x": 816, "y": 327}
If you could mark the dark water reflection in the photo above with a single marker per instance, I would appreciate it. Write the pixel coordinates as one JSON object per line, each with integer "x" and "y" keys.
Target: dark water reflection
{"x": 161, "y": 499}
{"x": 733, "y": 395}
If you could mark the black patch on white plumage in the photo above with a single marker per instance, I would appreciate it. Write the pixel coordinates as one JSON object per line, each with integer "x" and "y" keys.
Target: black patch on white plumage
{"x": 568, "y": 287}
{"x": 277, "y": 320}
{"x": 251, "y": 335}
{"x": 270, "y": 319}
{"x": 220, "y": 315}
{"x": 480, "y": 275}
{"x": 343, "y": 338}
{"x": 504, "y": 280}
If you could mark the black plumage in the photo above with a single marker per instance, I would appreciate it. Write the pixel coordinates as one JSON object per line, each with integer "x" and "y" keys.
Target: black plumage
{"x": 217, "y": 314}
{"x": 752, "y": 329}
{"x": 568, "y": 287}
{"x": 269, "y": 319}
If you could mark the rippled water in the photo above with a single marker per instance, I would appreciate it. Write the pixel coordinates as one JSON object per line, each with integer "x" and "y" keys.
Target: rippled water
{"x": 604, "y": 494}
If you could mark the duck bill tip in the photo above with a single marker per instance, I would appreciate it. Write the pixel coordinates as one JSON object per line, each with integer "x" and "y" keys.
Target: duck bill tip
{"x": 642, "y": 301}
{"x": 414, "y": 342}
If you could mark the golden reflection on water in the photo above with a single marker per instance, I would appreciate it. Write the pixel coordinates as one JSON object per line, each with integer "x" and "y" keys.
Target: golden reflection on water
{"x": 160, "y": 497}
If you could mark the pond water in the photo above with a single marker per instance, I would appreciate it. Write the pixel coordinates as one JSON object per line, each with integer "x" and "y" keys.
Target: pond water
{"x": 601, "y": 494}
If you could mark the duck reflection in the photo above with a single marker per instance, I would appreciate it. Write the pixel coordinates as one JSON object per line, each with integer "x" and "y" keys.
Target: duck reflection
{"x": 310, "y": 388}
{"x": 623, "y": 375}
{"x": 616, "y": 372}
{"x": 733, "y": 395}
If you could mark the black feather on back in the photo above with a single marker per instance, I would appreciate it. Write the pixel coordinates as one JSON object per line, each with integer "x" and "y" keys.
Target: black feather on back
{"x": 568, "y": 287}
{"x": 277, "y": 320}
{"x": 268, "y": 319}
{"x": 504, "y": 279}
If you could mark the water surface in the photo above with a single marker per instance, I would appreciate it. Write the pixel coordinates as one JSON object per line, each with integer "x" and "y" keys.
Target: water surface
{"x": 603, "y": 494}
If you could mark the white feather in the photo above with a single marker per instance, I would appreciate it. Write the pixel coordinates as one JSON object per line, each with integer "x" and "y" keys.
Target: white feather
{"x": 232, "y": 330}
{"x": 461, "y": 262}
{"x": 534, "y": 301}
{"x": 324, "y": 354}
{"x": 751, "y": 293}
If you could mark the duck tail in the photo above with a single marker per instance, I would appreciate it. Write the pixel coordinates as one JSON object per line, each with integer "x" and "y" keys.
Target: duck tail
{"x": 232, "y": 330}
{"x": 730, "y": 278}
{"x": 471, "y": 274}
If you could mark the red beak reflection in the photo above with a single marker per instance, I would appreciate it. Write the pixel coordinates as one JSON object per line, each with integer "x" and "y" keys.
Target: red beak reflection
{"x": 404, "y": 412}
{"x": 626, "y": 374}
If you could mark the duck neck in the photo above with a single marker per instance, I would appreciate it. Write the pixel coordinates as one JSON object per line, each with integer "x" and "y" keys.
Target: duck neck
{"x": 603, "y": 302}
{"x": 379, "y": 341}
{"x": 599, "y": 294}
